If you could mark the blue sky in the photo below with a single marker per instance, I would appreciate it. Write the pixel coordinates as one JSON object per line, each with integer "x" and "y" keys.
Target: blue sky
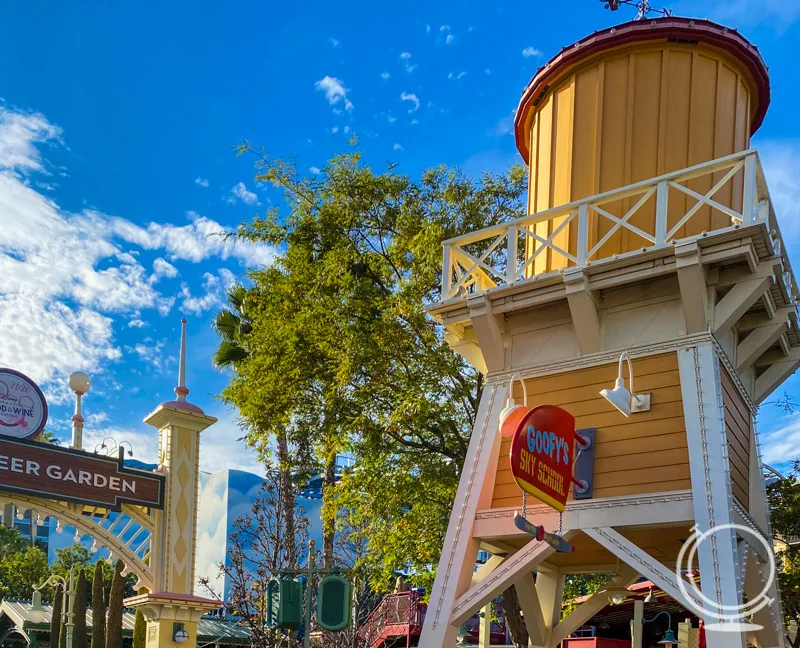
{"x": 117, "y": 128}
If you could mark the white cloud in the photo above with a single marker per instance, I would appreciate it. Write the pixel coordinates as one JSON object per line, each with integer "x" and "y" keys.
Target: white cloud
{"x": 334, "y": 42}
{"x": 66, "y": 275}
{"x": 241, "y": 192}
{"x": 385, "y": 75}
{"x": 529, "y": 52}
{"x": 335, "y": 92}
{"x": 412, "y": 98}
{"x": 19, "y": 134}
{"x": 780, "y": 445}
{"x": 314, "y": 170}
{"x": 151, "y": 353}
{"x": 137, "y": 323}
{"x": 398, "y": 147}
{"x": 505, "y": 126}
{"x": 201, "y": 239}
{"x": 201, "y": 181}
{"x": 405, "y": 57}
{"x": 164, "y": 268}
{"x": 335, "y": 130}
{"x": 214, "y": 286}
{"x": 450, "y": 39}
{"x": 453, "y": 75}
{"x": 346, "y": 129}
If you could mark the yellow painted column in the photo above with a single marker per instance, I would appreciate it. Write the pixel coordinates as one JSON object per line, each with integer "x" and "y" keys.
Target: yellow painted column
{"x": 171, "y": 619}
{"x": 179, "y": 425}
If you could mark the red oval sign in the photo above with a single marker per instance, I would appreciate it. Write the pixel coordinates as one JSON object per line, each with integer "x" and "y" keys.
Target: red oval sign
{"x": 542, "y": 452}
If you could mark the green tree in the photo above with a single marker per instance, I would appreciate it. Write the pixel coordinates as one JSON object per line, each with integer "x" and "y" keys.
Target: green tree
{"x": 21, "y": 572}
{"x": 11, "y": 541}
{"x": 75, "y": 556}
{"x": 80, "y": 638}
{"x": 139, "y": 630}
{"x": 55, "y": 617}
{"x": 784, "y": 499}
{"x": 98, "y": 607}
{"x": 232, "y": 327}
{"x": 115, "y": 596}
{"x": 343, "y": 356}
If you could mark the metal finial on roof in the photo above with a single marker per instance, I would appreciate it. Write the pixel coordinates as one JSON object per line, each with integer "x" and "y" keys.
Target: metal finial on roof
{"x": 181, "y": 391}
{"x": 642, "y": 6}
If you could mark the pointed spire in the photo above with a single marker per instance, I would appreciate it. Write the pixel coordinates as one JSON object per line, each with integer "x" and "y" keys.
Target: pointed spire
{"x": 181, "y": 391}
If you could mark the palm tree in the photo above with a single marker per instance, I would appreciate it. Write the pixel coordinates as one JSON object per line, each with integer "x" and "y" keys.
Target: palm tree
{"x": 48, "y": 437}
{"x": 11, "y": 541}
{"x": 232, "y": 325}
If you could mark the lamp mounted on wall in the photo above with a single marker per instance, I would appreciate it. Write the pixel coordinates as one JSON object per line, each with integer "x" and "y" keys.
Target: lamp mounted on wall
{"x": 179, "y": 634}
{"x": 627, "y": 402}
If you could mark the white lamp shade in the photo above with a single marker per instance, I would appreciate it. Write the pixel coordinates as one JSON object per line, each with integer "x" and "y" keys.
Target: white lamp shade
{"x": 79, "y": 382}
{"x": 619, "y": 397}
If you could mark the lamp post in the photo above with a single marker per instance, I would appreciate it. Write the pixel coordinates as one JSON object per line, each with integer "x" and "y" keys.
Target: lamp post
{"x": 79, "y": 383}
{"x": 69, "y": 593}
{"x": 669, "y": 640}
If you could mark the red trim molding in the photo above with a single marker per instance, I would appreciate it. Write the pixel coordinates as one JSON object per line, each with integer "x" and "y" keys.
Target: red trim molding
{"x": 682, "y": 29}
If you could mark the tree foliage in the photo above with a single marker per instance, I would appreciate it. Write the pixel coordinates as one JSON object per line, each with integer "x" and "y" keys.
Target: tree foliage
{"x": 11, "y": 541}
{"x": 342, "y": 355}
{"x": 55, "y": 617}
{"x": 139, "y": 630}
{"x": 21, "y": 572}
{"x": 98, "y": 607}
{"x": 80, "y": 637}
{"x": 114, "y": 614}
{"x": 784, "y": 499}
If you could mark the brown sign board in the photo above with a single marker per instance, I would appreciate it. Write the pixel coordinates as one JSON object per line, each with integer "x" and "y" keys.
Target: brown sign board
{"x": 68, "y": 475}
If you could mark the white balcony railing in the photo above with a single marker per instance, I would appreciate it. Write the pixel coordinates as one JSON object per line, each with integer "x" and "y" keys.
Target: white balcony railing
{"x": 497, "y": 256}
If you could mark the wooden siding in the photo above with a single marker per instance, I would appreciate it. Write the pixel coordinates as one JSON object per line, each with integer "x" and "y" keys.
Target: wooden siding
{"x": 628, "y": 115}
{"x": 646, "y": 453}
{"x": 738, "y": 428}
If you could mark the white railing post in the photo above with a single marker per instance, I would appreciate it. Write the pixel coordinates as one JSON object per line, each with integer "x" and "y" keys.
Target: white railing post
{"x": 662, "y": 194}
{"x": 583, "y": 233}
{"x": 447, "y": 272}
{"x": 750, "y": 189}
{"x": 511, "y": 258}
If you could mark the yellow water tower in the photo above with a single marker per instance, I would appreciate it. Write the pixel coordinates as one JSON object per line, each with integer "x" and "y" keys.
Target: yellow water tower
{"x": 651, "y": 232}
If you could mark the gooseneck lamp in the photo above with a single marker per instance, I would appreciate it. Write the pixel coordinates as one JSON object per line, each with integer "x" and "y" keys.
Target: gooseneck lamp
{"x": 625, "y": 401}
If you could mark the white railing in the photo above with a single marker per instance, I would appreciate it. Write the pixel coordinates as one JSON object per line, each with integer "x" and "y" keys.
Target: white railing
{"x": 497, "y": 255}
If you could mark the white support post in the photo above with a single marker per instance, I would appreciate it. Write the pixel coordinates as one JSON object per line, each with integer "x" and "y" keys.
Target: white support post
{"x": 749, "y": 194}
{"x": 583, "y": 234}
{"x": 447, "y": 272}
{"x": 709, "y": 467}
{"x": 637, "y": 625}
{"x": 485, "y": 627}
{"x": 531, "y": 611}
{"x": 511, "y": 259}
{"x": 550, "y": 591}
{"x": 662, "y": 195}
{"x": 460, "y": 549}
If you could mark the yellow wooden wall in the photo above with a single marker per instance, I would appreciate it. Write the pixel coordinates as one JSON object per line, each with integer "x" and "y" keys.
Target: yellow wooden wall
{"x": 738, "y": 426}
{"x": 646, "y": 453}
{"x": 628, "y": 115}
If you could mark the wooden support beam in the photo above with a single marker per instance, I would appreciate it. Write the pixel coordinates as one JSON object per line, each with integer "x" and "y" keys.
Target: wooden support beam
{"x": 637, "y": 625}
{"x": 586, "y": 610}
{"x": 694, "y": 291}
{"x": 771, "y": 622}
{"x": 531, "y": 610}
{"x": 757, "y": 342}
{"x": 522, "y": 562}
{"x": 497, "y": 547}
{"x": 640, "y": 560}
{"x": 583, "y": 309}
{"x": 739, "y": 299}
{"x": 768, "y": 381}
{"x": 731, "y": 276}
{"x": 489, "y": 332}
{"x": 487, "y": 568}
{"x": 485, "y": 627}
{"x": 550, "y": 590}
